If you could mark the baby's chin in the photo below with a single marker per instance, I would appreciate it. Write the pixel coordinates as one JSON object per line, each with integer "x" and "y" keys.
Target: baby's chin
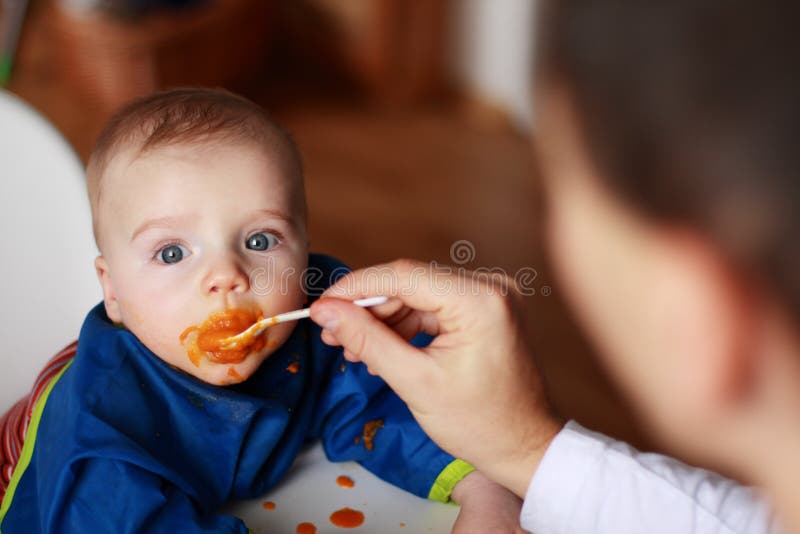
{"x": 224, "y": 368}
{"x": 226, "y": 374}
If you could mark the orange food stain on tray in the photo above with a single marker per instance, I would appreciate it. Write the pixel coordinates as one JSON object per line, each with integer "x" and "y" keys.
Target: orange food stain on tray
{"x": 293, "y": 367}
{"x": 306, "y": 528}
{"x": 206, "y": 339}
{"x": 370, "y": 429}
{"x": 345, "y": 482}
{"x": 347, "y": 518}
{"x": 268, "y": 505}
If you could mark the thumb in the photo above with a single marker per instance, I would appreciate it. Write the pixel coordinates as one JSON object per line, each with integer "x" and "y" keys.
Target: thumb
{"x": 370, "y": 340}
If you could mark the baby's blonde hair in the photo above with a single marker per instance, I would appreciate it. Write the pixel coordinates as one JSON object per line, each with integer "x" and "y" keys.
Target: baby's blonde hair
{"x": 183, "y": 116}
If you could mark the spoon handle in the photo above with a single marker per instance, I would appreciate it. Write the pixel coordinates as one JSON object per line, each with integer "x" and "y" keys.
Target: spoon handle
{"x": 306, "y": 312}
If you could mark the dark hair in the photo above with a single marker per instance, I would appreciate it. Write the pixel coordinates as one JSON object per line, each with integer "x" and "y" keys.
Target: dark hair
{"x": 690, "y": 110}
{"x": 189, "y": 115}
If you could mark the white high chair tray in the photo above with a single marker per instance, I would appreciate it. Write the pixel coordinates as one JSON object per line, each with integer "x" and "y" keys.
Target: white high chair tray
{"x": 309, "y": 493}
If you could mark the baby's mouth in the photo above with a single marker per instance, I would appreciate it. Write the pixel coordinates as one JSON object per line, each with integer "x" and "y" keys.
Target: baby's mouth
{"x": 206, "y": 339}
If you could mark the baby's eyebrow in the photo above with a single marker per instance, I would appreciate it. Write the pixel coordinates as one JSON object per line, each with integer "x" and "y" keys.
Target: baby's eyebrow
{"x": 276, "y": 214}
{"x": 161, "y": 222}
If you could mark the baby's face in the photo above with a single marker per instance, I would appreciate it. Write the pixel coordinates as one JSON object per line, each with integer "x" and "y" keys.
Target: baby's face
{"x": 189, "y": 231}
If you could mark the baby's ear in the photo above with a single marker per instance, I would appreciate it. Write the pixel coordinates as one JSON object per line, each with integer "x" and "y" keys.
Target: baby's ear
{"x": 109, "y": 296}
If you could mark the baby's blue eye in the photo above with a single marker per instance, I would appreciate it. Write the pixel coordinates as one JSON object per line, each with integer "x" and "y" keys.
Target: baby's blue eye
{"x": 172, "y": 254}
{"x": 261, "y": 241}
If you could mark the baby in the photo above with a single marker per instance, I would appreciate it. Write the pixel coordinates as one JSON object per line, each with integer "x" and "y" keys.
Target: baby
{"x": 199, "y": 214}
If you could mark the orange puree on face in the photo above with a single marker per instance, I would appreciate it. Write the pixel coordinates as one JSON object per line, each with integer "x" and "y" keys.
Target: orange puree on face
{"x": 306, "y": 528}
{"x": 347, "y": 518}
{"x": 345, "y": 482}
{"x": 206, "y": 339}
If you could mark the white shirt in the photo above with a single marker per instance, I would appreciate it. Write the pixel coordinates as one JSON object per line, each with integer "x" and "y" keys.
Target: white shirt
{"x": 590, "y": 483}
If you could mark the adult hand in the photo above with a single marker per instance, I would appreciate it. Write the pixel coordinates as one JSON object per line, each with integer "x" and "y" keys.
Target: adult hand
{"x": 475, "y": 389}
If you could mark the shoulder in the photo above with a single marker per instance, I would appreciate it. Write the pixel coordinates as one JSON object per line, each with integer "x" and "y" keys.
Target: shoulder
{"x": 323, "y": 271}
{"x": 327, "y": 263}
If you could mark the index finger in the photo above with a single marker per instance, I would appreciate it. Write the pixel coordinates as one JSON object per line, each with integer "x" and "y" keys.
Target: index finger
{"x": 426, "y": 287}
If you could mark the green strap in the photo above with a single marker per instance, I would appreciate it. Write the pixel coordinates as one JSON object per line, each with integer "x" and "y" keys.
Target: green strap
{"x": 447, "y": 480}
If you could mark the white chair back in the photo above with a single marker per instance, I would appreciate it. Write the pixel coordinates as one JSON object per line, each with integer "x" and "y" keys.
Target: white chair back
{"x": 46, "y": 246}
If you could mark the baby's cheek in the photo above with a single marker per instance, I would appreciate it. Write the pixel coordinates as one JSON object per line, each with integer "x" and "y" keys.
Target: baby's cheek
{"x": 160, "y": 337}
{"x": 282, "y": 335}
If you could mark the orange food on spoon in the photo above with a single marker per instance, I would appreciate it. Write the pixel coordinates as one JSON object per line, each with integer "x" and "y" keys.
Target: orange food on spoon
{"x": 206, "y": 339}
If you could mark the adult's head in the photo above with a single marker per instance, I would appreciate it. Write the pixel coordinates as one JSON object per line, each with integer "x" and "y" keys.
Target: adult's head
{"x": 668, "y": 142}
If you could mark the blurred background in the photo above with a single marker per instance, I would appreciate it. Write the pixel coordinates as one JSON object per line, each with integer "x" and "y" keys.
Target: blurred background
{"x": 413, "y": 116}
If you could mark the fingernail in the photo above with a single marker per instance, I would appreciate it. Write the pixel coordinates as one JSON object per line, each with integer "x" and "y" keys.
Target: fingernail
{"x": 329, "y": 319}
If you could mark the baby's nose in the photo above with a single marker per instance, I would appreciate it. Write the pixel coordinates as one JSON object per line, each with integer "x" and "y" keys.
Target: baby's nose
{"x": 226, "y": 277}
